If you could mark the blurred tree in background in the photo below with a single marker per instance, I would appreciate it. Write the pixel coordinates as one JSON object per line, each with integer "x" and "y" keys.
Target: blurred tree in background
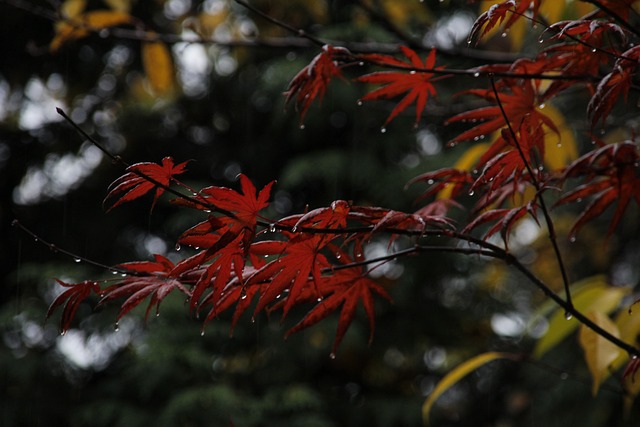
{"x": 209, "y": 88}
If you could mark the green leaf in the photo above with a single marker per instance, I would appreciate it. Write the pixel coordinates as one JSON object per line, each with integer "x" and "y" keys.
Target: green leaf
{"x": 599, "y": 353}
{"x": 457, "y": 374}
{"x": 594, "y": 295}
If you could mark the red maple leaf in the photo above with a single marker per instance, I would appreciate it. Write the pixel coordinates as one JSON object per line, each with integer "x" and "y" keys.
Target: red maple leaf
{"x": 72, "y": 298}
{"x": 156, "y": 281}
{"x": 505, "y": 220}
{"x": 415, "y": 83}
{"x": 298, "y": 265}
{"x": 614, "y": 84}
{"x": 343, "y": 288}
{"x": 312, "y": 81}
{"x": 611, "y": 173}
{"x": 142, "y": 178}
{"x": 519, "y": 103}
{"x": 499, "y": 12}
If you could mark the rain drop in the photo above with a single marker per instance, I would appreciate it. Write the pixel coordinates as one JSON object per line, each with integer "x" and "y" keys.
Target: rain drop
{"x": 253, "y": 319}
{"x": 272, "y": 228}
{"x": 77, "y": 259}
{"x": 430, "y": 182}
{"x": 332, "y": 355}
{"x": 541, "y": 106}
{"x": 476, "y": 74}
{"x": 471, "y": 192}
{"x": 319, "y": 299}
{"x": 503, "y": 34}
{"x": 559, "y": 145}
{"x": 572, "y": 239}
{"x": 541, "y": 41}
{"x": 301, "y": 127}
{"x": 116, "y": 327}
{"x": 178, "y": 247}
{"x": 383, "y": 130}
{"x": 412, "y": 72}
{"x": 568, "y": 315}
{"x": 202, "y": 333}
{"x": 359, "y": 103}
{"x": 114, "y": 272}
{"x": 594, "y": 50}
{"x": 361, "y": 63}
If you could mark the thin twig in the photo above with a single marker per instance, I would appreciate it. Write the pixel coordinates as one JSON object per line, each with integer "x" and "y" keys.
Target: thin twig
{"x": 539, "y": 188}
{"x": 77, "y": 258}
{"x": 297, "y": 31}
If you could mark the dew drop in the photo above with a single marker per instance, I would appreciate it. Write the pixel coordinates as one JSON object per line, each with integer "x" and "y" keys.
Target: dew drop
{"x": 471, "y": 192}
{"x": 572, "y": 239}
{"x": 243, "y": 296}
{"x": 338, "y": 256}
{"x": 541, "y": 106}
{"x": 383, "y": 130}
{"x": 559, "y": 145}
{"x": 594, "y": 50}
{"x": 178, "y": 247}
{"x": 272, "y": 228}
{"x": 359, "y": 103}
{"x": 253, "y": 319}
{"x": 116, "y": 327}
{"x": 202, "y": 333}
{"x": 301, "y": 127}
{"x": 332, "y": 355}
{"x": 319, "y": 299}
{"x": 412, "y": 72}
{"x": 568, "y": 315}
{"x": 503, "y": 34}
{"x": 114, "y": 272}
{"x": 123, "y": 275}
{"x": 468, "y": 41}
{"x": 476, "y": 74}
{"x": 541, "y": 41}
{"x": 361, "y": 63}
{"x": 579, "y": 199}
{"x": 430, "y": 182}
{"x": 77, "y": 259}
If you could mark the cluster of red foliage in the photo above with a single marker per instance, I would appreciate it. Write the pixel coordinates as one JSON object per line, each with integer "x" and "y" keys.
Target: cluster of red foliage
{"x": 316, "y": 258}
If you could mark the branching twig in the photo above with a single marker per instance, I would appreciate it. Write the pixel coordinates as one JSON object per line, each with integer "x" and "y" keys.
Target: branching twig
{"x": 538, "y": 186}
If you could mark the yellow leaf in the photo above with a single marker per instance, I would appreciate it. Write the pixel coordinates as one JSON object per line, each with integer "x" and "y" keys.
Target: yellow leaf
{"x": 457, "y": 374}
{"x": 119, "y": 5}
{"x": 559, "y": 150}
{"x": 158, "y": 67}
{"x": 83, "y": 25}
{"x": 594, "y": 295}
{"x": 599, "y": 353}
{"x": 628, "y": 324}
{"x": 72, "y": 8}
